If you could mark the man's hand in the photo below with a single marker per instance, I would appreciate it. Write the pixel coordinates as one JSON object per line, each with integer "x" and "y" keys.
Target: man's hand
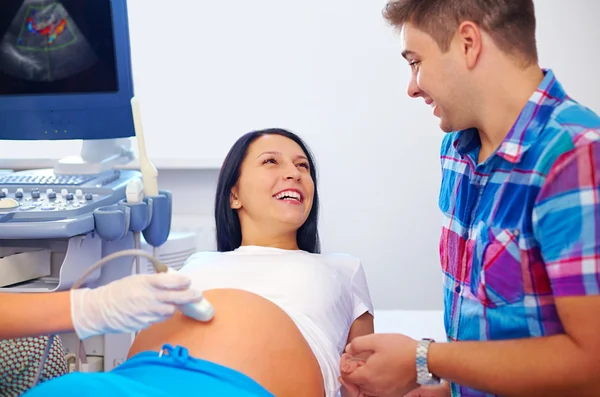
{"x": 389, "y": 369}
{"x": 442, "y": 390}
{"x": 349, "y": 364}
{"x": 352, "y": 390}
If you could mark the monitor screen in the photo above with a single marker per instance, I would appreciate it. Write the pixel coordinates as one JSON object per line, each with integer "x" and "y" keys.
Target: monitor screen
{"x": 62, "y": 46}
{"x": 65, "y": 70}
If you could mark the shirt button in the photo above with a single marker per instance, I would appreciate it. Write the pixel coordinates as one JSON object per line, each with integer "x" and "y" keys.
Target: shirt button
{"x": 457, "y": 289}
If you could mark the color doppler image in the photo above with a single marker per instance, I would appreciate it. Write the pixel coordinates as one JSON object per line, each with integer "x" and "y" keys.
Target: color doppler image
{"x": 43, "y": 44}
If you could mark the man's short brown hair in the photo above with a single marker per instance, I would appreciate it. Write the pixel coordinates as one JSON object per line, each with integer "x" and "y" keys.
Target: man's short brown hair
{"x": 510, "y": 23}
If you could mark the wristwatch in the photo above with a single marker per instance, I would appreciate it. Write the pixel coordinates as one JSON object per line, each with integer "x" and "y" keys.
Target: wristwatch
{"x": 424, "y": 377}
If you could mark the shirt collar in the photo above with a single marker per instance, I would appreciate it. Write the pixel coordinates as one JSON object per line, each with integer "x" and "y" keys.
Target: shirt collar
{"x": 531, "y": 121}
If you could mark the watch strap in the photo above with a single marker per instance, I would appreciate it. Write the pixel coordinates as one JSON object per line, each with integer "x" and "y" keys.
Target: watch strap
{"x": 424, "y": 376}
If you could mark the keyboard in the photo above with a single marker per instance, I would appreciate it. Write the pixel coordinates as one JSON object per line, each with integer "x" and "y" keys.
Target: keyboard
{"x": 47, "y": 180}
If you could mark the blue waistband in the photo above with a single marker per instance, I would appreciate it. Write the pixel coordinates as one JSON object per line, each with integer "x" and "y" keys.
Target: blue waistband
{"x": 178, "y": 360}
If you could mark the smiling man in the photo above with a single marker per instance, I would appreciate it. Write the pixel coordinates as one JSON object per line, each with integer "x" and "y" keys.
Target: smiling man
{"x": 520, "y": 194}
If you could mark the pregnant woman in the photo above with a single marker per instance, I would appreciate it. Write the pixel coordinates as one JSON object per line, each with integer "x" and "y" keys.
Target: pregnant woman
{"x": 284, "y": 312}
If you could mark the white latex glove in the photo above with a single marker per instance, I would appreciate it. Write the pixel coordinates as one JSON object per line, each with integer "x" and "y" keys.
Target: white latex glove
{"x": 129, "y": 304}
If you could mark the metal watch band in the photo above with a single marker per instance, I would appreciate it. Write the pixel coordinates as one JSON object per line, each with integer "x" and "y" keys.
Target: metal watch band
{"x": 424, "y": 377}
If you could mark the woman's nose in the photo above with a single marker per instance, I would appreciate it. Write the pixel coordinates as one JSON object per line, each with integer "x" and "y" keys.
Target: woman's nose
{"x": 293, "y": 175}
{"x": 292, "y": 172}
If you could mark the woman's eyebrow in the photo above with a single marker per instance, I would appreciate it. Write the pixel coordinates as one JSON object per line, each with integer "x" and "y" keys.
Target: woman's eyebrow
{"x": 298, "y": 156}
{"x": 273, "y": 153}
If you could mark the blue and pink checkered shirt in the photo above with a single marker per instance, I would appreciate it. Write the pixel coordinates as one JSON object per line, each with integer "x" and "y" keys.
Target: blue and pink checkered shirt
{"x": 523, "y": 227}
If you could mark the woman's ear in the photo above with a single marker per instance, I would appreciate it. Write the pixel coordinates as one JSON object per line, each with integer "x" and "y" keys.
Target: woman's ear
{"x": 234, "y": 202}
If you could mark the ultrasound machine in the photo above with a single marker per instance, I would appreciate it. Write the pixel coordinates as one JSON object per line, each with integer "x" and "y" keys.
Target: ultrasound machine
{"x": 65, "y": 73}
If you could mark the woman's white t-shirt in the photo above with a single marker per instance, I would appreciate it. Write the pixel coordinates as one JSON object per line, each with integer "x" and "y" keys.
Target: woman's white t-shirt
{"x": 322, "y": 293}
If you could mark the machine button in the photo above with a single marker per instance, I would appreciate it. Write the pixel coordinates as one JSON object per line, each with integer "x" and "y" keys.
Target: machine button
{"x": 19, "y": 194}
{"x": 88, "y": 196}
{"x": 64, "y": 192}
{"x": 48, "y": 208}
{"x": 27, "y": 207}
{"x": 51, "y": 195}
{"x": 78, "y": 193}
{"x": 35, "y": 194}
{"x": 70, "y": 196}
{"x": 7, "y": 203}
{"x": 2, "y": 194}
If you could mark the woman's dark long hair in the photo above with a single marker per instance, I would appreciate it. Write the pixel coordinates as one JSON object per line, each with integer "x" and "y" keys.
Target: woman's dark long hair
{"x": 229, "y": 230}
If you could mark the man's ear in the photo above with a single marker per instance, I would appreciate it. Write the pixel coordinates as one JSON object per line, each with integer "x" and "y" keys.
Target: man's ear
{"x": 234, "y": 201}
{"x": 471, "y": 41}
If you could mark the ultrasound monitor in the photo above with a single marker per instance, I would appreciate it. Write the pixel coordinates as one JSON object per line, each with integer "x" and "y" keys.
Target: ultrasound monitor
{"x": 65, "y": 73}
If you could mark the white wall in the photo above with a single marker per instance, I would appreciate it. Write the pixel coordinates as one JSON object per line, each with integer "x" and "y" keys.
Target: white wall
{"x": 368, "y": 136}
{"x": 386, "y": 213}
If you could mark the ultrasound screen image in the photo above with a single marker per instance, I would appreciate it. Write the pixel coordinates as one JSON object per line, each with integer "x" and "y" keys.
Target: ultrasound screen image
{"x": 56, "y": 47}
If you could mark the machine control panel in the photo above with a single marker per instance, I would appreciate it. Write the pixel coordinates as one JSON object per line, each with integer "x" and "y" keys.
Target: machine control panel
{"x": 64, "y": 210}
{"x": 32, "y": 198}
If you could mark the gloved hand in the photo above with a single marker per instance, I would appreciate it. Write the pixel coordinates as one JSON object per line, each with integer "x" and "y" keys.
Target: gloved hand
{"x": 129, "y": 304}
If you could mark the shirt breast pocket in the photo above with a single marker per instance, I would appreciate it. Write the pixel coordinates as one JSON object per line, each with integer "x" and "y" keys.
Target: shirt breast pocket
{"x": 496, "y": 272}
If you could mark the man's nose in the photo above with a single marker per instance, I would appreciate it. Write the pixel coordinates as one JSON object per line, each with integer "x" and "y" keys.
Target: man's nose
{"x": 414, "y": 91}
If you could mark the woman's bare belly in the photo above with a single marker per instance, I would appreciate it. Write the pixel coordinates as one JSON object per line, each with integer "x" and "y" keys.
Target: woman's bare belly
{"x": 249, "y": 334}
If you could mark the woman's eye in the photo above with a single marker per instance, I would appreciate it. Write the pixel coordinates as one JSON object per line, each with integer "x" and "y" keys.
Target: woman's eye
{"x": 270, "y": 161}
{"x": 305, "y": 165}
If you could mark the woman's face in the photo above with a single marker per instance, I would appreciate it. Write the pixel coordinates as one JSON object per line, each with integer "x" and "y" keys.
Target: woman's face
{"x": 275, "y": 189}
